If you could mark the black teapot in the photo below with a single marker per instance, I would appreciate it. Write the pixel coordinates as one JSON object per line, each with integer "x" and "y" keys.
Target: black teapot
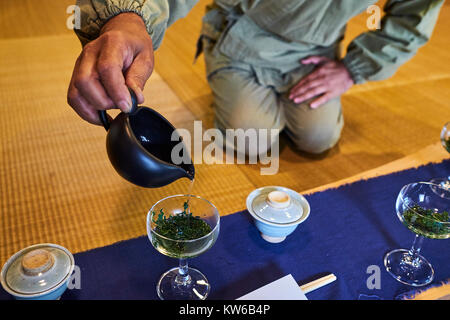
{"x": 139, "y": 146}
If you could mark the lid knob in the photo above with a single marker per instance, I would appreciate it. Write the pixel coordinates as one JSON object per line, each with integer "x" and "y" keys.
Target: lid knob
{"x": 37, "y": 261}
{"x": 278, "y": 199}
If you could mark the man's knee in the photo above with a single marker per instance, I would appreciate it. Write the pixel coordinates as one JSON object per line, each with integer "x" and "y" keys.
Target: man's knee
{"x": 247, "y": 115}
{"x": 316, "y": 142}
{"x": 246, "y": 109}
{"x": 247, "y": 131}
{"x": 241, "y": 103}
{"x": 315, "y": 131}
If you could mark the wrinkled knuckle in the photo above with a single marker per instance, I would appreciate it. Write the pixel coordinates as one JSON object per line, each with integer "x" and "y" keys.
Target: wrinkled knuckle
{"x": 320, "y": 71}
{"x": 314, "y": 83}
{"x": 113, "y": 36}
{"x": 325, "y": 78}
{"x": 317, "y": 90}
{"x": 103, "y": 105}
{"x": 81, "y": 82}
{"x": 141, "y": 77}
{"x": 149, "y": 64}
{"x": 88, "y": 49}
{"x": 104, "y": 67}
{"x": 83, "y": 54}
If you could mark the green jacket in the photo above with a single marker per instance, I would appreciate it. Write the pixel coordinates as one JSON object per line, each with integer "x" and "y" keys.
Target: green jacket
{"x": 276, "y": 34}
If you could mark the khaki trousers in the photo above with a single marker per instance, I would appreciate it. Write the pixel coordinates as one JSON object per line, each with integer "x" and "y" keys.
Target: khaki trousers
{"x": 241, "y": 102}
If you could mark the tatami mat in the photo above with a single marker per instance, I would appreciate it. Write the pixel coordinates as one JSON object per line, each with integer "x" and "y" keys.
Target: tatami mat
{"x": 384, "y": 120}
{"x": 34, "y": 18}
{"x": 381, "y": 125}
{"x": 57, "y": 185}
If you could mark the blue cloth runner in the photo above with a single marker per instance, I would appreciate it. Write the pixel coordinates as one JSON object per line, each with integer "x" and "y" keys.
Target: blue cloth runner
{"x": 349, "y": 229}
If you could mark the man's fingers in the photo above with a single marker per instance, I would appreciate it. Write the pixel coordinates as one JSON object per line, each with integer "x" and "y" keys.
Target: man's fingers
{"x": 308, "y": 85}
{"x": 86, "y": 80}
{"x": 138, "y": 74}
{"x": 109, "y": 67}
{"x": 316, "y": 74}
{"x": 82, "y": 107}
{"x": 320, "y": 101}
{"x": 312, "y": 92}
{"x": 78, "y": 103}
{"x": 314, "y": 60}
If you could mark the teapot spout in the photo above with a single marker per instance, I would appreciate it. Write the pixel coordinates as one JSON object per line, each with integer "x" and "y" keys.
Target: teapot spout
{"x": 189, "y": 171}
{"x": 167, "y": 174}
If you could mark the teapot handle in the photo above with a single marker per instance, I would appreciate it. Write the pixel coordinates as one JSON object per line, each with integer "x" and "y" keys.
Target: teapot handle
{"x": 104, "y": 117}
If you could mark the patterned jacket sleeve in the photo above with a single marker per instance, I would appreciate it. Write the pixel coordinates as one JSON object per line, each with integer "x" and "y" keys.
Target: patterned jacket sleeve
{"x": 157, "y": 15}
{"x": 406, "y": 26}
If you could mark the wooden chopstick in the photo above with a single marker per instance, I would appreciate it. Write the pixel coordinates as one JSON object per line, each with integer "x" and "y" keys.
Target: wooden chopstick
{"x": 318, "y": 283}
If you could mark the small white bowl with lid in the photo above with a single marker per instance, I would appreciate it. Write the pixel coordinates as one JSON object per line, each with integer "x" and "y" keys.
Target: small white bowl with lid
{"x": 38, "y": 272}
{"x": 277, "y": 211}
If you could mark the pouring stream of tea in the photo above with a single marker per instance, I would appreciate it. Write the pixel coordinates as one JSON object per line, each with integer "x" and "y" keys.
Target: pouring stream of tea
{"x": 189, "y": 193}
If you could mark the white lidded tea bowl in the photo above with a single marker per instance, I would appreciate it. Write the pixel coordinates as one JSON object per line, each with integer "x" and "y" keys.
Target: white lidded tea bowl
{"x": 38, "y": 272}
{"x": 277, "y": 211}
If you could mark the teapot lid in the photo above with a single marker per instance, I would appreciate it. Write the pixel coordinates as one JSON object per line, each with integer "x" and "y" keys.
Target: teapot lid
{"x": 37, "y": 269}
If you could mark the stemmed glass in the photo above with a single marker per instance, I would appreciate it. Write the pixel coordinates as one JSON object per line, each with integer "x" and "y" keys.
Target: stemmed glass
{"x": 445, "y": 136}
{"x": 426, "y": 213}
{"x": 445, "y": 140}
{"x": 183, "y": 282}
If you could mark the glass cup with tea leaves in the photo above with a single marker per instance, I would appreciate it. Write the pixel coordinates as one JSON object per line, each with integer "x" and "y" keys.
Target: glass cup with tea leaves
{"x": 182, "y": 227}
{"x": 445, "y": 136}
{"x": 426, "y": 213}
{"x": 445, "y": 140}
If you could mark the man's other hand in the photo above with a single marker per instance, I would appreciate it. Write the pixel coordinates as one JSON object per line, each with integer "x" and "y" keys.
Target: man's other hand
{"x": 329, "y": 80}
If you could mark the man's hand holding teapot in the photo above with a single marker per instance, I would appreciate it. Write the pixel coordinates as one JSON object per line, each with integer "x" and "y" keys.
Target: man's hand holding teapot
{"x": 120, "y": 58}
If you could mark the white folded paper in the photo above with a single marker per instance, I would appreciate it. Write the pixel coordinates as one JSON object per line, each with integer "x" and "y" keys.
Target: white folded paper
{"x": 285, "y": 288}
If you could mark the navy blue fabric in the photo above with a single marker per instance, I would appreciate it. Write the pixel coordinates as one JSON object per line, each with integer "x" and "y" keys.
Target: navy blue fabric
{"x": 349, "y": 229}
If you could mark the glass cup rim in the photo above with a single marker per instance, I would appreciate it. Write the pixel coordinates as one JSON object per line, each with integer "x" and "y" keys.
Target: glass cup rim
{"x": 149, "y": 218}
{"x": 445, "y": 129}
{"x": 422, "y": 183}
